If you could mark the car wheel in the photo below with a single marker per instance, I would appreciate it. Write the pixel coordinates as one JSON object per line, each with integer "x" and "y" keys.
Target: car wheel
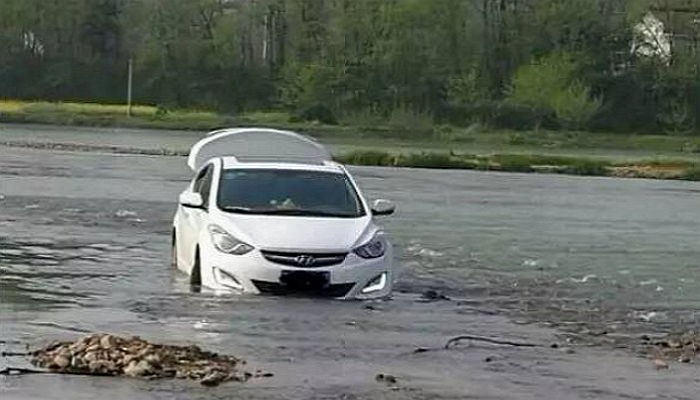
{"x": 173, "y": 252}
{"x": 196, "y": 275}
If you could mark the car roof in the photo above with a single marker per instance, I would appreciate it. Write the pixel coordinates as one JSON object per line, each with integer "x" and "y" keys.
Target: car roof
{"x": 237, "y": 163}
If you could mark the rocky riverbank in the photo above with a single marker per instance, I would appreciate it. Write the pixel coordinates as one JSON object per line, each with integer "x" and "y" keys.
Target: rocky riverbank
{"x": 103, "y": 354}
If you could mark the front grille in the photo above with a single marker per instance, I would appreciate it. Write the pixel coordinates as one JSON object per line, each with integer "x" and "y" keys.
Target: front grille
{"x": 275, "y": 288}
{"x": 304, "y": 260}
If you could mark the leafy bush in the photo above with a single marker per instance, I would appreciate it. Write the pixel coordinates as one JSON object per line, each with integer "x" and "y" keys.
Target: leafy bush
{"x": 415, "y": 160}
{"x": 630, "y": 105}
{"x": 410, "y": 120}
{"x": 691, "y": 147}
{"x": 569, "y": 165}
{"x": 498, "y": 114}
{"x": 574, "y": 106}
{"x": 161, "y": 111}
{"x": 363, "y": 117}
{"x": 307, "y": 85}
{"x": 435, "y": 160}
{"x": 320, "y": 113}
{"x": 692, "y": 174}
{"x": 444, "y": 132}
{"x": 675, "y": 116}
{"x": 368, "y": 157}
{"x": 587, "y": 167}
{"x": 535, "y": 84}
{"x": 549, "y": 83}
{"x": 275, "y": 118}
{"x": 509, "y": 115}
{"x": 466, "y": 89}
{"x": 517, "y": 139}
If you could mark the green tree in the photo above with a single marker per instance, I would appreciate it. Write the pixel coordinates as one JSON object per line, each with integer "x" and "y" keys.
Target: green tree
{"x": 457, "y": 60}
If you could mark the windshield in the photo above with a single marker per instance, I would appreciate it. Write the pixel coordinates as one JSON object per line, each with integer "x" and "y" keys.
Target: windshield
{"x": 288, "y": 192}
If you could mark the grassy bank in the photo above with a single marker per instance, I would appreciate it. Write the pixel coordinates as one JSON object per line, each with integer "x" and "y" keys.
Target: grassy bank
{"x": 89, "y": 114}
{"x": 652, "y": 169}
{"x": 407, "y": 144}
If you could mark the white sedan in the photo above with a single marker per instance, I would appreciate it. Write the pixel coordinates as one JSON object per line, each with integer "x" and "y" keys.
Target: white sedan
{"x": 269, "y": 212}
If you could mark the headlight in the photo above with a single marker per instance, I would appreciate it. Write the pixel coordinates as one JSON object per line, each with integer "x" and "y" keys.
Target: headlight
{"x": 226, "y": 243}
{"x": 375, "y": 248}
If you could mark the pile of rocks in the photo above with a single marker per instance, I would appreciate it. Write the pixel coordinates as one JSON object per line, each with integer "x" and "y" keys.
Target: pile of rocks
{"x": 104, "y": 354}
{"x": 683, "y": 347}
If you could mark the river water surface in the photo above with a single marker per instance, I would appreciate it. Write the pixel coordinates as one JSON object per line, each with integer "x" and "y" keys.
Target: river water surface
{"x": 84, "y": 246}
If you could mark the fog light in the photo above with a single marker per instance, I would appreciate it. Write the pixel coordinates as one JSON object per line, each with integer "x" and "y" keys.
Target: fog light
{"x": 376, "y": 284}
{"x": 227, "y": 279}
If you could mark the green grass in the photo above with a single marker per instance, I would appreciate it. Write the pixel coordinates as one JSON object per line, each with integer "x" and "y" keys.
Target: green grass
{"x": 409, "y": 141}
{"x": 89, "y": 114}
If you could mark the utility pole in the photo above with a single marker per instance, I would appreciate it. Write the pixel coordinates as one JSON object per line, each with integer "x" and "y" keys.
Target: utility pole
{"x": 129, "y": 86}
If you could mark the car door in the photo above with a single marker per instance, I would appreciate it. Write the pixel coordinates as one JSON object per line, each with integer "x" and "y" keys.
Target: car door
{"x": 195, "y": 219}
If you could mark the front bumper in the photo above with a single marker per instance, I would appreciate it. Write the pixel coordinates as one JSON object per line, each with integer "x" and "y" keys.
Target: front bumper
{"x": 255, "y": 274}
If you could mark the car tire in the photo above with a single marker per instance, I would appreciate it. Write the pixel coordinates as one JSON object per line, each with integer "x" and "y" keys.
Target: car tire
{"x": 196, "y": 275}
{"x": 173, "y": 252}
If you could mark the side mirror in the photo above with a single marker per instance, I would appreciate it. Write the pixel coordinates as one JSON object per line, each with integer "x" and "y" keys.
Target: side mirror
{"x": 191, "y": 200}
{"x": 383, "y": 207}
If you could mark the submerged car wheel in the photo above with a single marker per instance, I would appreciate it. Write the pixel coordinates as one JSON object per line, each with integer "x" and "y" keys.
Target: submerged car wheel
{"x": 196, "y": 275}
{"x": 173, "y": 252}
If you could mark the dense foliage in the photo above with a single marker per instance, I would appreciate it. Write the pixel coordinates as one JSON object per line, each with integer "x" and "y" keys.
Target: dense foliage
{"x": 503, "y": 63}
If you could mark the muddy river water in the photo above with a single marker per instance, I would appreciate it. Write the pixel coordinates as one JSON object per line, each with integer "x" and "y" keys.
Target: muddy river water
{"x": 587, "y": 263}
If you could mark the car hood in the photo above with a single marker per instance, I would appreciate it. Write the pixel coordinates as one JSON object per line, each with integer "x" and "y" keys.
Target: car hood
{"x": 292, "y": 233}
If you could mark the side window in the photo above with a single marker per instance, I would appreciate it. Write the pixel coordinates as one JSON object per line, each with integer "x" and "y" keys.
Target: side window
{"x": 202, "y": 183}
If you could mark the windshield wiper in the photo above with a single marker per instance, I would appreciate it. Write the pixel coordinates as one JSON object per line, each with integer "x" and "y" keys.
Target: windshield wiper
{"x": 287, "y": 211}
{"x": 240, "y": 210}
{"x": 296, "y": 211}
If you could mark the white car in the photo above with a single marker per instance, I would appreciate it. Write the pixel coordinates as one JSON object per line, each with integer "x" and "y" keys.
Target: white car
{"x": 268, "y": 211}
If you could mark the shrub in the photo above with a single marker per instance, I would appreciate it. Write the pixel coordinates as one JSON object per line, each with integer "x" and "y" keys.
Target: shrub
{"x": 444, "y": 132}
{"x": 509, "y": 115}
{"x": 574, "y": 106}
{"x": 513, "y": 162}
{"x": 362, "y": 117}
{"x": 535, "y": 84}
{"x": 691, "y": 147}
{"x": 675, "y": 116}
{"x": 435, "y": 160}
{"x": 161, "y": 111}
{"x": 266, "y": 118}
{"x": 368, "y": 157}
{"x": 517, "y": 139}
{"x": 318, "y": 112}
{"x": 466, "y": 88}
{"x": 549, "y": 83}
{"x": 630, "y": 104}
{"x": 587, "y": 167}
{"x": 692, "y": 174}
{"x": 410, "y": 120}
{"x": 426, "y": 160}
{"x": 498, "y": 114}
{"x": 307, "y": 85}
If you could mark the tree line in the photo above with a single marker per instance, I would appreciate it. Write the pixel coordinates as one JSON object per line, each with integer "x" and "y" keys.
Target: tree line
{"x": 616, "y": 65}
